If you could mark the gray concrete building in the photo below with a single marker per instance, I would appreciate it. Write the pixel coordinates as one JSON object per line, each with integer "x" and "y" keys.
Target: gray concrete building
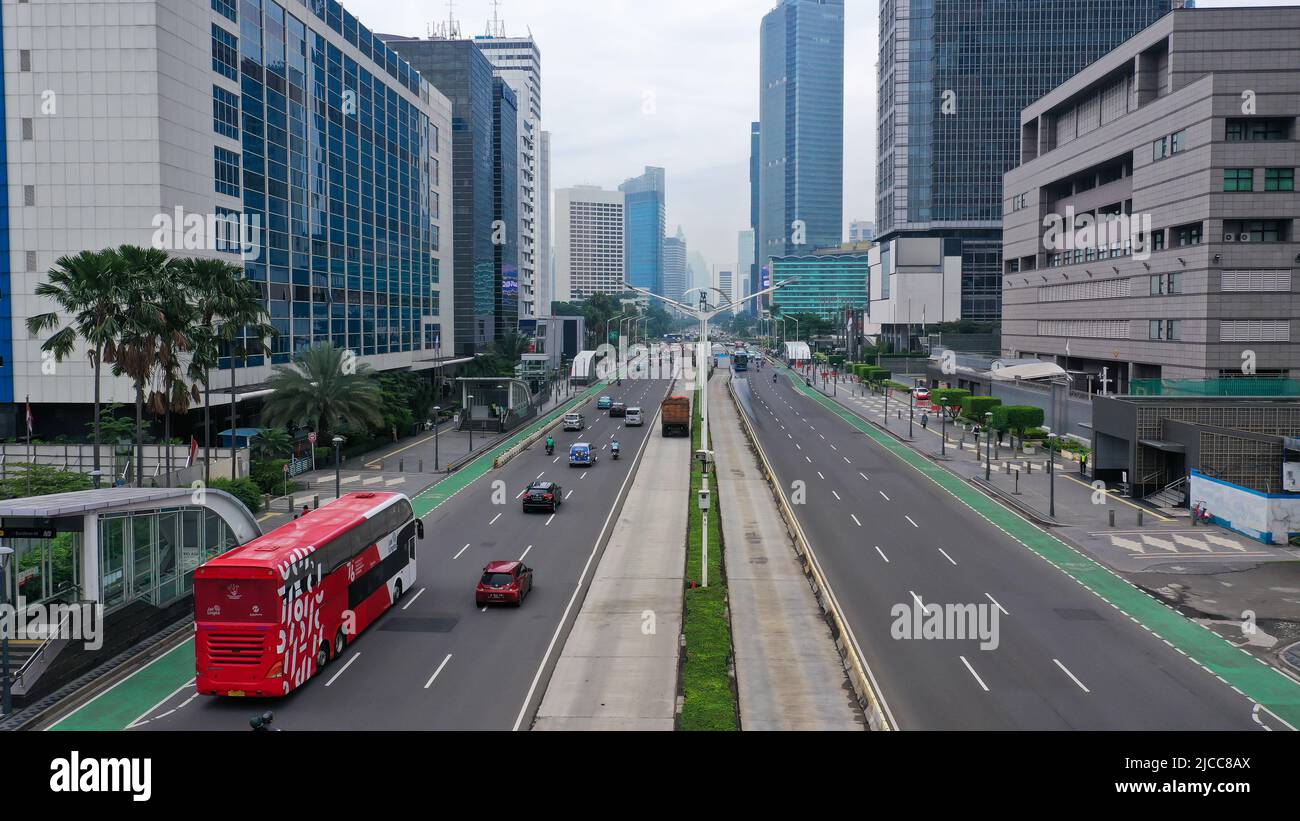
{"x": 1150, "y": 229}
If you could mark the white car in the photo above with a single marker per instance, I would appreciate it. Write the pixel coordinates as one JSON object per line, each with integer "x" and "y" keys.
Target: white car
{"x": 634, "y": 418}
{"x": 574, "y": 421}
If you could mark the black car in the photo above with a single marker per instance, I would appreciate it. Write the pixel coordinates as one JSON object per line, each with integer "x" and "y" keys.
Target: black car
{"x": 617, "y": 409}
{"x": 543, "y": 496}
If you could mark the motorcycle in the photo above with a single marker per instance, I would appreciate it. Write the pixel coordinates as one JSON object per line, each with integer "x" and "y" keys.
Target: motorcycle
{"x": 614, "y": 450}
{"x": 550, "y": 448}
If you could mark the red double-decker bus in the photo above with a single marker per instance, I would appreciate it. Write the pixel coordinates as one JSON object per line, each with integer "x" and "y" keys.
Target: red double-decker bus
{"x": 271, "y": 614}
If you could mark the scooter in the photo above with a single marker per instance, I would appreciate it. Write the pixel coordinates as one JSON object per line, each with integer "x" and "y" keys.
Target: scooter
{"x": 614, "y": 450}
{"x": 550, "y": 448}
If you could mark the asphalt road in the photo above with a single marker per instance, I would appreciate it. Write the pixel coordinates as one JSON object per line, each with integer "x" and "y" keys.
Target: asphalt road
{"x": 436, "y": 661}
{"x": 886, "y": 535}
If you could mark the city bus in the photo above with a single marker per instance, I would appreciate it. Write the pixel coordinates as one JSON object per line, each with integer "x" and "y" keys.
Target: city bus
{"x": 271, "y": 614}
{"x": 740, "y": 361}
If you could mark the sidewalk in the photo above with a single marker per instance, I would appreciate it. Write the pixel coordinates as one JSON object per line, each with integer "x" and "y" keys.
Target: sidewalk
{"x": 788, "y": 672}
{"x": 618, "y": 669}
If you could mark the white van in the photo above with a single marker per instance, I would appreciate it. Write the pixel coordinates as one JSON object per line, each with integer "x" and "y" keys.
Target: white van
{"x": 634, "y": 418}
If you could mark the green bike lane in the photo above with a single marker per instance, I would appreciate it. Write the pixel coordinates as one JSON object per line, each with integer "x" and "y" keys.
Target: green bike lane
{"x": 140, "y": 692}
{"x": 1251, "y": 676}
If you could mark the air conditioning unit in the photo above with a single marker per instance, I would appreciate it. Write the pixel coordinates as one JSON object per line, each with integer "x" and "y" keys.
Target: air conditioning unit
{"x": 1243, "y": 237}
{"x": 1229, "y": 237}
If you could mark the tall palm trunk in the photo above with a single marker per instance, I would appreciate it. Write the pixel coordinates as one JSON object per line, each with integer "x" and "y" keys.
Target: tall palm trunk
{"x": 234, "y": 439}
{"x": 98, "y": 363}
{"x": 167, "y": 436}
{"x": 207, "y": 426}
{"x": 139, "y": 433}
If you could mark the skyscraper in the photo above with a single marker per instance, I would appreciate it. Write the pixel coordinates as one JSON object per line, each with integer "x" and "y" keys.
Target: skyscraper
{"x": 801, "y": 122}
{"x": 589, "y": 242}
{"x": 755, "y": 176}
{"x": 644, "y": 214}
{"x": 954, "y": 74}
{"x": 459, "y": 70}
{"x": 545, "y": 270}
{"x": 505, "y": 205}
{"x": 518, "y": 61}
{"x": 676, "y": 274}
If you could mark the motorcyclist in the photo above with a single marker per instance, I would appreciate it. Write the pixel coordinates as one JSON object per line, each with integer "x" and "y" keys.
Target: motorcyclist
{"x": 773, "y": 377}
{"x": 550, "y": 445}
{"x": 614, "y": 448}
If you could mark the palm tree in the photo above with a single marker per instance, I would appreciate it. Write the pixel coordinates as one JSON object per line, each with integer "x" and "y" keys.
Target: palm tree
{"x": 175, "y": 340}
{"x": 225, "y": 301}
{"x": 324, "y": 390}
{"x": 89, "y": 288}
{"x": 272, "y": 443}
{"x": 144, "y": 329}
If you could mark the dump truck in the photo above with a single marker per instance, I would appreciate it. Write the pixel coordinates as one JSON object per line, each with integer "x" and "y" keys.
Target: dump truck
{"x": 676, "y": 415}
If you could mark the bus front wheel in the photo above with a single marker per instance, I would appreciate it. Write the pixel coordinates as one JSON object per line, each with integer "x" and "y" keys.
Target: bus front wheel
{"x": 340, "y": 643}
{"x": 322, "y": 656}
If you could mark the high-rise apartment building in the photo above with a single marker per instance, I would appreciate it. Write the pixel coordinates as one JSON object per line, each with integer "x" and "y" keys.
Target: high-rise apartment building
{"x": 482, "y": 270}
{"x": 953, "y": 77}
{"x": 645, "y": 214}
{"x": 755, "y": 178}
{"x": 676, "y": 272}
{"x": 289, "y": 117}
{"x": 862, "y": 231}
{"x": 545, "y": 269}
{"x": 589, "y": 242}
{"x": 518, "y": 61}
{"x": 801, "y": 122}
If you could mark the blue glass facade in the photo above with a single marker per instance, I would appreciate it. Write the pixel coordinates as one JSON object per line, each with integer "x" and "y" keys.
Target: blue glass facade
{"x": 644, "y": 217}
{"x": 755, "y": 174}
{"x": 826, "y": 284}
{"x": 505, "y": 203}
{"x": 333, "y": 169}
{"x": 801, "y": 128}
{"x": 460, "y": 71}
{"x": 954, "y": 76}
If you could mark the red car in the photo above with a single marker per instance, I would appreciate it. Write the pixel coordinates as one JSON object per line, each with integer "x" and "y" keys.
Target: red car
{"x": 921, "y": 394}
{"x": 504, "y": 582}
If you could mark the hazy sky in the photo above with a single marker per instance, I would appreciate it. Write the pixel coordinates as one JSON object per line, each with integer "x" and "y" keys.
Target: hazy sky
{"x": 693, "y": 66}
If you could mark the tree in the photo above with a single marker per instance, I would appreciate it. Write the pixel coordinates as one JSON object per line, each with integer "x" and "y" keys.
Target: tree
{"x": 89, "y": 287}
{"x": 324, "y": 389}
{"x": 225, "y": 302}
{"x": 22, "y": 480}
{"x": 272, "y": 443}
{"x": 949, "y": 399}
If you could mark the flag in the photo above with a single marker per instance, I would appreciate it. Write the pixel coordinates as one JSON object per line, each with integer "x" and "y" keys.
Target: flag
{"x": 194, "y": 448}
{"x": 30, "y": 422}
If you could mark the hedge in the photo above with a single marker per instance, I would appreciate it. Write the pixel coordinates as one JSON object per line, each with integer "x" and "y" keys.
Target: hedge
{"x": 974, "y": 407}
{"x": 245, "y": 490}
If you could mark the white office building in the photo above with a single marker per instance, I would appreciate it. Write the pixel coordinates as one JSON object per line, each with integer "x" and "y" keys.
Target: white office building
{"x": 589, "y": 242}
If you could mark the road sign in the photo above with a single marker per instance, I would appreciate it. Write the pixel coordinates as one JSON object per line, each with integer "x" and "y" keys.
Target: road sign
{"x": 311, "y": 437}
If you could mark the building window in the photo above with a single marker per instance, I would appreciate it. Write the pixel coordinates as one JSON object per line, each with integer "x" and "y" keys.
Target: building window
{"x": 1187, "y": 234}
{"x": 226, "y": 8}
{"x": 1257, "y": 129}
{"x": 225, "y": 53}
{"x": 225, "y": 112}
{"x": 28, "y": 127}
{"x": 227, "y": 172}
{"x": 1162, "y": 284}
{"x": 1254, "y": 230}
{"x": 1158, "y": 240}
{"x": 1279, "y": 179}
{"x": 1166, "y": 330}
{"x": 1238, "y": 179}
{"x": 24, "y": 60}
{"x": 1160, "y": 149}
{"x": 29, "y": 195}
{"x": 1177, "y": 141}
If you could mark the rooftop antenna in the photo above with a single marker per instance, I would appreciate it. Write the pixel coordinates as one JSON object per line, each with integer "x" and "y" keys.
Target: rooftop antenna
{"x": 496, "y": 27}
{"x": 449, "y": 30}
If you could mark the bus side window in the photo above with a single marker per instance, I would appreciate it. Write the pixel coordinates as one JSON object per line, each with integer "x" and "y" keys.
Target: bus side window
{"x": 411, "y": 548}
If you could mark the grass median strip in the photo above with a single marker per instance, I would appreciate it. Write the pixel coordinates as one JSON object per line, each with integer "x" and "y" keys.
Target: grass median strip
{"x": 710, "y": 697}
{"x": 1263, "y": 684}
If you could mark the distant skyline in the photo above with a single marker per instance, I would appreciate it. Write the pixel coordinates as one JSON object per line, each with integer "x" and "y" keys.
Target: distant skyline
{"x": 695, "y": 65}
{"x": 627, "y": 84}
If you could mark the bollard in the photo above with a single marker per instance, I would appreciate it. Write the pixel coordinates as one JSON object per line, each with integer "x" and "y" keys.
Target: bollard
{"x": 1029, "y": 467}
{"x": 422, "y": 466}
{"x": 1112, "y": 516}
{"x": 1008, "y": 464}
{"x": 315, "y": 502}
{"x": 401, "y": 465}
{"x": 1139, "y": 518}
{"x": 1017, "y": 483}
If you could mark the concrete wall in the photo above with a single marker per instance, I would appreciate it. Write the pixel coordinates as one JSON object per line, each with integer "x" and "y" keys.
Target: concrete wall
{"x": 1270, "y": 518}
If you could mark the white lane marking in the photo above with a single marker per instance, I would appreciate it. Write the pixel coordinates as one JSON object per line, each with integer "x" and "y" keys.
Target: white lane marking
{"x": 846, "y": 460}
{"x": 984, "y": 686}
{"x": 429, "y": 683}
{"x": 548, "y": 521}
{"x": 417, "y": 595}
{"x": 914, "y": 524}
{"x": 462, "y": 550}
{"x": 809, "y": 458}
{"x": 1072, "y": 676}
{"x": 567, "y": 495}
{"x": 917, "y": 599}
{"x": 834, "y": 448}
{"x": 949, "y": 558}
{"x": 995, "y": 604}
{"x": 540, "y": 475}
{"x": 141, "y": 720}
{"x": 494, "y": 519}
{"x": 837, "y": 496}
{"x": 556, "y": 459}
{"x": 882, "y": 554}
{"x": 819, "y": 476}
{"x": 799, "y": 446}
{"x": 355, "y": 656}
{"x": 584, "y": 475}
{"x": 855, "y": 520}
{"x": 863, "y": 475}
{"x": 882, "y": 493}
{"x": 521, "y": 558}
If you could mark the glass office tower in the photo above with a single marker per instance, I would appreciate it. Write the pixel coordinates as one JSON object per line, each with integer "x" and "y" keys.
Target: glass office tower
{"x": 953, "y": 78}
{"x": 801, "y": 124}
{"x": 644, "y": 215}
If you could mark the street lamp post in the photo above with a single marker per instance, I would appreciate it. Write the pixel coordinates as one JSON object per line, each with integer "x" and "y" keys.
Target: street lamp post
{"x": 943, "y": 422}
{"x": 338, "y": 466}
{"x": 1051, "y": 473}
{"x": 7, "y": 703}
{"x": 988, "y": 446}
{"x": 469, "y": 420}
{"x": 911, "y": 412}
{"x": 437, "y": 418}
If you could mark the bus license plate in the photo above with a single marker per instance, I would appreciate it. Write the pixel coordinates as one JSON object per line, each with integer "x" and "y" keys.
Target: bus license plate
{"x": 236, "y": 693}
